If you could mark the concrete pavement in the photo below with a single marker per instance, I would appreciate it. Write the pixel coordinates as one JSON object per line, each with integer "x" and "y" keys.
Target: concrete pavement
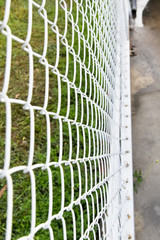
{"x": 145, "y": 74}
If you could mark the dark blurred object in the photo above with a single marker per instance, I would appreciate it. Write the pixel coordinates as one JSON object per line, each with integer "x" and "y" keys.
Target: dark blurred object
{"x": 132, "y": 50}
{"x": 134, "y": 8}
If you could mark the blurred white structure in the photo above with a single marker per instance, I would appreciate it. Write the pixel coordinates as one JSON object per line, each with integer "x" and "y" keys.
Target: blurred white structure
{"x": 141, "y": 4}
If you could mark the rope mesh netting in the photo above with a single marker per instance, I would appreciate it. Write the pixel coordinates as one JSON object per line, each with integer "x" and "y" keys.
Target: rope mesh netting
{"x": 65, "y": 161}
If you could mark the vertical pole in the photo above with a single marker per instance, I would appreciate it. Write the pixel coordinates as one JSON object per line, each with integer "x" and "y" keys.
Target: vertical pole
{"x": 127, "y": 214}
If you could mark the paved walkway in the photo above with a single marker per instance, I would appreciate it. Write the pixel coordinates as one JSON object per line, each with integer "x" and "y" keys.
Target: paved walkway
{"x": 145, "y": 73}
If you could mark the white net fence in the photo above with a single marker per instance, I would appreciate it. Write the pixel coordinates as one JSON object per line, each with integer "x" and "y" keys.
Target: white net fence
{"x": 65, "y": 161}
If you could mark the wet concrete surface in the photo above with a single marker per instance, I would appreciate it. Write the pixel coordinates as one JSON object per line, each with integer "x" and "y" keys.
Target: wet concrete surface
{"x": 145, "y": 76}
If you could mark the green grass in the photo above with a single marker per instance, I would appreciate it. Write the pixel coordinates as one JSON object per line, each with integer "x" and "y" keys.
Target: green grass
{"x": 20, "y": 137}
{"x": 138, "y": 179}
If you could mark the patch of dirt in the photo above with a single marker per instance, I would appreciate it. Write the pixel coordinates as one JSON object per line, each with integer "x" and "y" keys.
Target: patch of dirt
{"x": 141, "y": 77}
{"x": 139, "y": 222}
{"x": 140, "y": 81}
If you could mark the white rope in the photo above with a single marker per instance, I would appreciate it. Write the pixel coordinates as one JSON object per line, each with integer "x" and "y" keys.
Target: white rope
{"x": 101, "y": 98}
